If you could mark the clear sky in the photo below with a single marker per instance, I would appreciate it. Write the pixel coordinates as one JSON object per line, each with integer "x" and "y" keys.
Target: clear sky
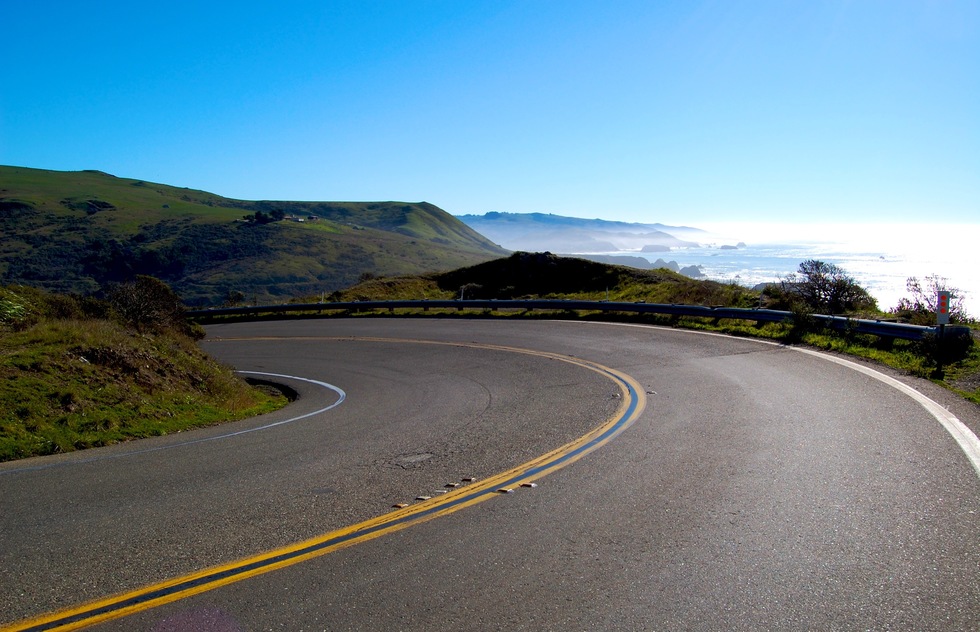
{"x": 679, "y": 112}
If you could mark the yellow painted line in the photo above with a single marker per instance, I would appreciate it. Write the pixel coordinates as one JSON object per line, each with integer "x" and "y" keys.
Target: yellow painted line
{"x": 171, "y": 590}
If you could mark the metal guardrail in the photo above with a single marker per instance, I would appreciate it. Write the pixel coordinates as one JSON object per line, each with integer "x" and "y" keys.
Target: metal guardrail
{"x": 840, "y": 323}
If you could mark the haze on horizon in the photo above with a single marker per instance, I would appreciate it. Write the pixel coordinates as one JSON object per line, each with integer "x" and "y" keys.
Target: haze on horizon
{"x": 686, "y": 112}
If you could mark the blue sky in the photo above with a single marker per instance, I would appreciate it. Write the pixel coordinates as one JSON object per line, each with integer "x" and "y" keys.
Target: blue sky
{"x": 678, "y": 112}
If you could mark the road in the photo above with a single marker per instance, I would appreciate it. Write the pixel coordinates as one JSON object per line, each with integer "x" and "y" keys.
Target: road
{"x": 749, "y": 487}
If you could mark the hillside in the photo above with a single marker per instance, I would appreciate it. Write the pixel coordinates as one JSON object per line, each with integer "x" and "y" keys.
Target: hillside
{"x": 538, "y": 232}
{"x": 74, "y": 232}
{"x": 78, "y": 373}
{"x": 544, "y": 275}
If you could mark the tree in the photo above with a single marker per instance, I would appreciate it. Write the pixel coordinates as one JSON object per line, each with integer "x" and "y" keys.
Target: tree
{"x": 259, "y": 217}
{"x": 234, "y": 298}
{"x": 827, "y": 287}
{"x": 920, "y": 309}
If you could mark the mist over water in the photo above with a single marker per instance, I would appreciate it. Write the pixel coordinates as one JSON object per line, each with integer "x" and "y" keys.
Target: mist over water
{"x": 880, "y": 257}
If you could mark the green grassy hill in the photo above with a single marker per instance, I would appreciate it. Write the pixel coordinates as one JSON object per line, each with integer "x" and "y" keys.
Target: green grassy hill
{"x": 78, "y": 373}
{"x": 74, "y": 232}
{"x": 545, "y": 275}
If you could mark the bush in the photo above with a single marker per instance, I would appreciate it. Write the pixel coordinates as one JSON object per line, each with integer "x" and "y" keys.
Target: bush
{"x": 148, "y": 304}
{"x": 920, "y": 309}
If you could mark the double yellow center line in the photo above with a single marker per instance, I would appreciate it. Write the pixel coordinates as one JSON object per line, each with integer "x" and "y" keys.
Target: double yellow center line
{"x": 77, "y": 617}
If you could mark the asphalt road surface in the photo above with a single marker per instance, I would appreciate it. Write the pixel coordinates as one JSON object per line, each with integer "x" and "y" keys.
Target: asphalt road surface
{"x": 672, "y": 481}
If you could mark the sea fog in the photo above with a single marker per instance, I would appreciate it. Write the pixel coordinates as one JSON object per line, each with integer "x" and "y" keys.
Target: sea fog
{"x": 880, "y": 257}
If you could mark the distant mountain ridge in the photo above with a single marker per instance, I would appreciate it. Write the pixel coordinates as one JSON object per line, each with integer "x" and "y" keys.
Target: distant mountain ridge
{"x": 77, "y": 231}
{"x": 538, "y": 232}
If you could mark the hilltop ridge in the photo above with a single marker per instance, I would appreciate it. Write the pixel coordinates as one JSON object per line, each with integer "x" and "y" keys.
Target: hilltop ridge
{"x": 557, "y": 233}
{"x": 75, "y": 232}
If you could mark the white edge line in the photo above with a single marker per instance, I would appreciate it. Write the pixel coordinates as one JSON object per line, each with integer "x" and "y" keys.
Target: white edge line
{"x": 341, "y": 396}
{"x": 963, "y": 436}
{"x": 968, "y": 441}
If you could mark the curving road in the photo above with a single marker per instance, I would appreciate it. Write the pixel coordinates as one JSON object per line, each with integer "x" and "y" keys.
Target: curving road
{"x": 749, "y": 487}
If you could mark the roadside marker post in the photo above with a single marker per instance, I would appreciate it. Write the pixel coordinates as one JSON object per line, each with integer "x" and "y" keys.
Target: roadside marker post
{"x": 942, "y": 308}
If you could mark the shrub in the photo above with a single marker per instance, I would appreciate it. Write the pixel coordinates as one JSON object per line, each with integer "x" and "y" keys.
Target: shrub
{"x": 920, "y": 309}
{"x": 148, "y": 304}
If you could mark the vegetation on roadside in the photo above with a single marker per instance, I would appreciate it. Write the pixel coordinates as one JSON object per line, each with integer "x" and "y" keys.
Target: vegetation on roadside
{"x": 919, "y": 307}
{"x": 81, "y": 372}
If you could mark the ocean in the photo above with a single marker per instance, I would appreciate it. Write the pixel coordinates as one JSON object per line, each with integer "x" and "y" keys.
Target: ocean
{"x": 879, "y": 257}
